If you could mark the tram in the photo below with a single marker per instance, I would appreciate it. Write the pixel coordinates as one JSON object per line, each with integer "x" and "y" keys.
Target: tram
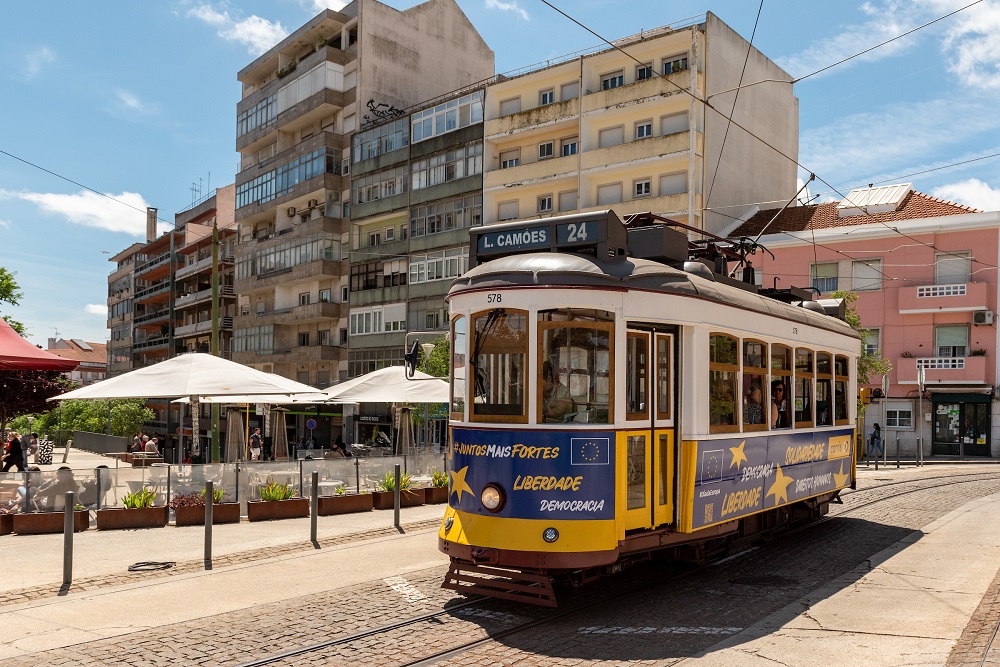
{"x": 615, "y": 393}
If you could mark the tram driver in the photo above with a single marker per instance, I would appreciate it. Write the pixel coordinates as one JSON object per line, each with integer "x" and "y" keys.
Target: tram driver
{"x": 556, "y": 400}
{"x": 780, "y": 417}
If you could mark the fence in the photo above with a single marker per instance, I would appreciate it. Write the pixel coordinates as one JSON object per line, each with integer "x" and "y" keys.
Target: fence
{"x": 100, "y": 443}
{"x": 104, "y": 487}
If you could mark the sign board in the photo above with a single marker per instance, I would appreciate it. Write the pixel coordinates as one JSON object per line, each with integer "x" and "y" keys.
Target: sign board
{"x": 885, "y": 386}
{"x": 369, "y": 418}
{"x": 598, "y": 232}
{"x": 921, "y": 373}
{"x": 310, "y": 424}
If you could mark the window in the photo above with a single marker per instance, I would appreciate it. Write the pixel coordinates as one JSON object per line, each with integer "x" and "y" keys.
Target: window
{"x": 448, "y": 166}
{"x": 545, "y": 150}
{"x": 873, "y": 341}
{"x": 644, "y": 129}
{"x": 841, "y": 408}
{"x": 724, "y": 366}
{"x": 567, "y": 201}
{"x": 569, "y": 91}
{"x": 510, "y": 159}
{"x": 447, "y": 116}
{"x": 574, "y": 366}
{"x": 866, "y": 275}
{"x": 569, "y": 146}
{"x": 438, "y": 265}
{"x": 382, "y": 139}
{"x": 952, "y": 268}
{"x": 343, "y": 294}
{"x": 804, "y": 371}
{"x": 497, "y": 366}
{"x": 324, "y": 337}
{"x": 900, "y": 419}
{"x": 675, "y": 64}
{"x": 612, "y": 136}
{"x": 507, "y": 210}
{"x": 640, "y": 188}
{"x": 673, "y": 184}
{"x": 824, "y": 390}
{"x": 781, "y": 383}
{"x": 644, "y": 71}
{"x": 373, "y": 238}
{"x": 951, "y": 341}
{"x": 673, "y": 123}
{"x": 304, "y": 299}
{"x": 612, "y": 80}
{"x": 343, "y": 336}
{"x": 303, "y": 339}
{"x": 754, "y": 385}
{"x": 545, "y": 203}
{"x": 636, "y": 375}
{"x": 446, "y": 215}
{"x": 824, "y": 277}
{"x": 507, "y": 107}
{"x": 389, "y": 233}
{"x": 546, "y": 97}
{"x": 664, "y": 353}
{"x": 609, "y": 194}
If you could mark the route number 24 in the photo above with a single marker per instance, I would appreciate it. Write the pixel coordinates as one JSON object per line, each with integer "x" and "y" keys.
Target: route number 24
{"x": 576, "y": 232}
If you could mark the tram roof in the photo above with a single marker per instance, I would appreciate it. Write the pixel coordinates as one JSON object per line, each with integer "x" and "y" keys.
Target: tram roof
{"x": 552, "y": 269}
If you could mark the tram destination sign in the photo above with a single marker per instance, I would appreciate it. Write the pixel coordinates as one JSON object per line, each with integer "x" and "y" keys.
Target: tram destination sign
{"x": 600, "y": 233}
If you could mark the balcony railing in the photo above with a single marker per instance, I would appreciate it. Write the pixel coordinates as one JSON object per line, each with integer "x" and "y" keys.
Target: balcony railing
{"x": 225, "y": 324}
{"x": 944, "y": 370}
{"x": 155, "y": 288}
{"x": 195, "y": 297}
{"x": 945, "y": 298}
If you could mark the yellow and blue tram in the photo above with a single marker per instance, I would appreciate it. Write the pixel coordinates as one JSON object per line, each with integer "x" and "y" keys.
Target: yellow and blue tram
{"x": 612, "y": 399}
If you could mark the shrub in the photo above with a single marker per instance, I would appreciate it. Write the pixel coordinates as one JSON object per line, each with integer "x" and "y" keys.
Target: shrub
{"x": 388, "y": 483}
{"x": 275, "y": 491}
{"x": 195, "y": 499}
{"x": 139, "y": 499}
{"x": 439, "y": 479}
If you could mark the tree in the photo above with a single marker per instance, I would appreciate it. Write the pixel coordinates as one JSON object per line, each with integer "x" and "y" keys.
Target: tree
{"x": 870, "y": 364}
{"x": 437, "y": 364}
{"x": 127, "y": 417}
{"x": 10, "y": 293}
{"x": 26, "y": 392}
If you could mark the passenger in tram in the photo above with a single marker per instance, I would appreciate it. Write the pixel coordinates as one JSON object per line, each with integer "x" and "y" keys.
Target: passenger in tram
{"x": 780, "y": 417}
{"x": 556, "y": 400}
{"x": 753, "y": 412}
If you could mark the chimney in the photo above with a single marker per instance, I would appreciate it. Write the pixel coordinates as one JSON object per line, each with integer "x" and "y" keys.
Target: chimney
{"x": 52, "y": 343}
{"x": 150, "y": 224}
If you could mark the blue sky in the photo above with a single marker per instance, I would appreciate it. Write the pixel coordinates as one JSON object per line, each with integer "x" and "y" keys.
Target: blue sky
{"x": 137, "y": 100}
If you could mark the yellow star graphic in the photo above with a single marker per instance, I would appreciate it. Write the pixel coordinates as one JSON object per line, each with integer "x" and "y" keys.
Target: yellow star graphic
{"x": 458, "y": 483}
{"x": 842, "y": 479}
{"x": 780, "y": 487}
{"x": 738, "y": 455}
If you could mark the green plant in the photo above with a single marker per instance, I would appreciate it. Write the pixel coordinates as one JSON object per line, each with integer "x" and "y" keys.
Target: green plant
{"x": 216, "y": 495}
{"x": 275, "y": 491}
{"x": 340, "y": 491}
{"x": 439, "y": 479}
{"x": 388, "y": 483}
{"x": 906, "y": 355}
{"x": 978, "y": 353}
{"x": 139, "y": 499}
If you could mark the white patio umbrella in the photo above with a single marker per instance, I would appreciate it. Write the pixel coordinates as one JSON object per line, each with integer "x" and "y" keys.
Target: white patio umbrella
{"x": 389, "y": 385}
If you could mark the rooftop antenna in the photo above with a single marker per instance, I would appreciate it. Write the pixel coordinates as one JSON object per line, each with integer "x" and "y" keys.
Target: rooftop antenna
{"x": 196, "y": 190}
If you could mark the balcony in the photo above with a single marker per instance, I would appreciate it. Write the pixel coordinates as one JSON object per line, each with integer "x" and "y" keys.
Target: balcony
{"x": 654, "y": 147}
{"x": 204, "y": 264}
{"x": 311, "y": 312}
{"x": 157, "y": 293}
{"x": 151, "y": 264}
{"x": 943, "y": 370}
{"x": 152, "y": 318}
{"x": 225, "y": 291}
{"x": 526, "y": 174}
{"x": 226, "y": 324}
{"x": 963, "y": 297}
{"x": 299, "y": 355}
{"x": 547, "y": 115}
{"x": 659, "y": 89}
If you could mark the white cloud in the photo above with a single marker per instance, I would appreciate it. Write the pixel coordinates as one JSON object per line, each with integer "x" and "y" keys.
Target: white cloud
{"x": 89, "y": 209}
{"x": 972, "y": 44}
{"x": 335, "y": 5}
{"x": 36, "y": 60}
{"x": 127, "y": 105}
{"x": 512, "y": 6}
{"x": 257, "y": 34}
{"x": 971, "y": 192}
{"x": 95, "y": 309}
{"x": 5, "y": 224}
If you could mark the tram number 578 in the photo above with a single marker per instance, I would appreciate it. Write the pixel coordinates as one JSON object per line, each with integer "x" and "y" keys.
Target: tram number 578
{"x": 494, "y": 298}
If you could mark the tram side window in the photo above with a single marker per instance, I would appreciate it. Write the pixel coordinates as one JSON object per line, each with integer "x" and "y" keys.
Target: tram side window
{"x": 499, "y": 353}
{"x": 723, "y": 368}
{"x": 841, "y": 411}
{"x": 754, "y": 385}
{"x": 574, "y": 366}
{"x": 458, "y": 367}
{"x": 824, "y": 389}
{"x": 781, "y": 374}
{"x": 804, "y": 371}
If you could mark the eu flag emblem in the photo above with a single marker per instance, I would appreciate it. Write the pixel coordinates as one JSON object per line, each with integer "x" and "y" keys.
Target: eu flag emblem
{"x": 711, "y": 466}
{"x": 590, "y": 451}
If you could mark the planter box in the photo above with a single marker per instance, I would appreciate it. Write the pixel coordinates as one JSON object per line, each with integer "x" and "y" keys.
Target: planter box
{"x": 435, "y": 495}
{"x": 345, "y": 504}
{"x": 6, "y": 524}
{"x": 195, "y": 515}
{"x": 266, "y": 510}
{"x": 145, "y": 462}
{"x": 144, "y": 517}
{"x": 35, "y": 523}
{"x": 385, "y": 500}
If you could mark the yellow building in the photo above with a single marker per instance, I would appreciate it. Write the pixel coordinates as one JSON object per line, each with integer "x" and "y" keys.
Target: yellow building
{"x": 625, "y": 128}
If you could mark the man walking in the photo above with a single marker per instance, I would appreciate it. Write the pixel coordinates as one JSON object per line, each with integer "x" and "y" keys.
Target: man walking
{"x": 875, "y": 443}
{"x": 255, "y": 444}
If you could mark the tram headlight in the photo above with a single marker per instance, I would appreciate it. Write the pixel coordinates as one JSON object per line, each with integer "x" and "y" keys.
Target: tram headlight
{"x": 492, "y": 497}
{"x": 550, "y": 535}
{"x": 448, "y": 523}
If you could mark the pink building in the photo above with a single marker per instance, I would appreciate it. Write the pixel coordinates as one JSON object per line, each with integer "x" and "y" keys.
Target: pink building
{"x": 925, "y": 271}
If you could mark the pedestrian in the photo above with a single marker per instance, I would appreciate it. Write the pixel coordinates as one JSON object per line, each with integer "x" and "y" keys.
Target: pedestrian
{"x": 13, "y": 456}
{"x": 875, "y": 442}
{"x": 31, "y": 447}
{"x": 137, "y": 443}
{"x": 151, "y": 447}
{"x": 255, "y": 445}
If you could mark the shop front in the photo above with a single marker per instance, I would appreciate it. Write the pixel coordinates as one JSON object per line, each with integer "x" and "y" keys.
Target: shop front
{"x": 961, "y": 424}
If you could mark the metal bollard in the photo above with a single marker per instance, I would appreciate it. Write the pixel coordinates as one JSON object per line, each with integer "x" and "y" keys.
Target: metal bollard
{"x": 314, "y": 507}
{"x": 68, "y": 539}
{"x": 395, "y": 510}
{"x": 897, "y": 449}
{"x": 357, "y": 474}
{"x": 209, "y": 508}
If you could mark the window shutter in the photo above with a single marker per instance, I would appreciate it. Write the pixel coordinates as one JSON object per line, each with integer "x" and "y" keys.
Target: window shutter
{"x": 508, "y": 107}
{"x": 955, "y": 336}
{"x": 612, "y": 137}
{"x": 952, "y": 268}
{"x": 673, "y": 184}
{"x": 674, "y": 123}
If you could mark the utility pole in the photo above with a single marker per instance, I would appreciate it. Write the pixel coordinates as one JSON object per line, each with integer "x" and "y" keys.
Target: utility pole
{"x": 215, "y": 335}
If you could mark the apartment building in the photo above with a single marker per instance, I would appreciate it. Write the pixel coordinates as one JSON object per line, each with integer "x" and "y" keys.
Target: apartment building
{"x": 302, "y": 102}
{"x": 416, "y": 189}
{"x": 925, "y": 272}
{"x": 121, "y": 290}
{"x": 93, "y": 358}
{"x": 625, "y": 128}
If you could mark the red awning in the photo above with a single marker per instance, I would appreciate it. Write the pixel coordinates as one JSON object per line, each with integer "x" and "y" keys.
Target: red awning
{"x": 17, "y": 354}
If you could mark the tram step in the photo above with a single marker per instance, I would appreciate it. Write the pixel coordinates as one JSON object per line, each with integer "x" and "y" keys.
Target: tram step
{"x": 500, "y": 583}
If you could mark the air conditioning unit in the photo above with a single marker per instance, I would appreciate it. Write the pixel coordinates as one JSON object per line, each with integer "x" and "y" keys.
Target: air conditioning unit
{"x": 982, "y": 317}
{"x": 313, "y": 203}
{"x": 291, "y": 211}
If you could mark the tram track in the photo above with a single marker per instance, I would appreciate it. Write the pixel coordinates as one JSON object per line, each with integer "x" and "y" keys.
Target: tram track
{"x": 487, "y": 608}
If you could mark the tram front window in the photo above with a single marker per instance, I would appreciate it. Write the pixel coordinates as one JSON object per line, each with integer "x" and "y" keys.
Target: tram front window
{"x": 499, "y": 352}
{"x": 574, "y": 366}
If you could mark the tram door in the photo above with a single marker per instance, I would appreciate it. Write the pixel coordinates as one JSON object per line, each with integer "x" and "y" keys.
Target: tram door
{"x": 649, "y": 434}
